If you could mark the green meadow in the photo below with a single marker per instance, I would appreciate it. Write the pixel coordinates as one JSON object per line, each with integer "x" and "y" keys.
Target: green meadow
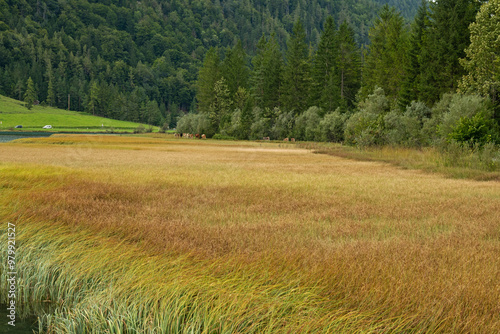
{"x": 13, "y": 113}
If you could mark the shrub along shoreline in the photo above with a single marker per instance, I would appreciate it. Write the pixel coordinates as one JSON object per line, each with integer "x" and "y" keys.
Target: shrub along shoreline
{"x": 459, "y": 134}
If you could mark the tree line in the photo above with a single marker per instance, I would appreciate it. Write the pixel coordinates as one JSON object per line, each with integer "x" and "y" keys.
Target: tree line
{"x": 434, "y": 81}
{"x": 139, "y": 60}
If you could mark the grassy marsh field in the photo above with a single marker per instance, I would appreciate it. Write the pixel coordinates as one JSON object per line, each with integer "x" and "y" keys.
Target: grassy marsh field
{"x": 162, "y": 235}
{"x": 13, "y": 113}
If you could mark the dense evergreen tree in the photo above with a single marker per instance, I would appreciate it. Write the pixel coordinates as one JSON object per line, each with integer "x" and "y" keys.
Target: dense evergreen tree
{"x": 257, "y": 77}
{"x": 209, "y": 74}
{"x": 30, "y": 95}
{"x": 324, "y": 89}
{"x": 296, "y": 75}
{"x": 93, "y": 98}
{"x": 267, "y": 73}
{"x": 410, "y": 87}
{"x": 385, "y": 62}
{"x": 348, "y": 70}
{"x": 444, "y": 44}
{"x": 235, "y": 69}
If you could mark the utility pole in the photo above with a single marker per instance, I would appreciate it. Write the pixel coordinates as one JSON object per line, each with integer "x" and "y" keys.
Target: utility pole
{"x": 69, "y": 100}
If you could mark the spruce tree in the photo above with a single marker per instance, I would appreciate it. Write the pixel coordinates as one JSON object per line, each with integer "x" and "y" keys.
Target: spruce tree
{"x": 296, "y": 76}
{"x": 348, "y": 69}
{"x": 273, "y": 73}
{"x": 51, "y": 95}
{"x": 30, "y": 95}
{"x": 93, "y": 97}
{"x": 235, "y": 69}
{"x": 208, "y": 75}
{"x": 386, "y": 59}
{"x": 410, "y": 88}
{"x": 324, "y": 90}
{"x": 444, "y": 44}
{"x": 257, "y": 79}
{"x": 267, "y": 73}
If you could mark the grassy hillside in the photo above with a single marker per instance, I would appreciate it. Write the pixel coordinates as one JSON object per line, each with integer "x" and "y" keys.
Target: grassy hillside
{"x": 13, "y": 112}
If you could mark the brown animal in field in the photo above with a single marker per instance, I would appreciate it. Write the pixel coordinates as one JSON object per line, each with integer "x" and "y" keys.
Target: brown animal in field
{"x": 176, "y": 135}
{"x": 266, "y": 138}
{"x": 203, "y": 136}
{"x": 292, "y": 140}
{"x": 197, "y": 136}
{"x": 286, "y": 139}
{"x": 190, "y": 136}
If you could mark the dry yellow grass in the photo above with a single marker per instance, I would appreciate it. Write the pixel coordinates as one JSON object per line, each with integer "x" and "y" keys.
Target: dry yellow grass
{"x": 378, "y": 238}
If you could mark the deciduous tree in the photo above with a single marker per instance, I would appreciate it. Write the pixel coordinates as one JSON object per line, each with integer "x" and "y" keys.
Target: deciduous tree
{"x": 483, "y": 54}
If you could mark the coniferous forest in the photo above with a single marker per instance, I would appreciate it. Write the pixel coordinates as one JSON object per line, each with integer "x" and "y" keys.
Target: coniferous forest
{"x": 368, "y": 72}
{"x": 139, "y": 60}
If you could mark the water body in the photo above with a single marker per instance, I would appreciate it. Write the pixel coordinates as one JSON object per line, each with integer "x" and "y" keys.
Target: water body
{"x": 23, "y": 326}
{"x": 9, "y": 136}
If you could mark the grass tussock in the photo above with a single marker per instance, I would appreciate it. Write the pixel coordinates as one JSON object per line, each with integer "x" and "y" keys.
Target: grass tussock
{"x": 180, "y": 236}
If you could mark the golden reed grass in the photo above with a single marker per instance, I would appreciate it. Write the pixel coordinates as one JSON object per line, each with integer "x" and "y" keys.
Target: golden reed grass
{"x": 369, "y": 238}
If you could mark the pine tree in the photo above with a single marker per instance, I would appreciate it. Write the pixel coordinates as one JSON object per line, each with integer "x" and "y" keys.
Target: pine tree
{"x": 207, "y": 77}
{"x": 30, "y": 95}
{"x": 296, "y": 76}
{"x": 324, "y": 91}
{"x": 348, "y": 69}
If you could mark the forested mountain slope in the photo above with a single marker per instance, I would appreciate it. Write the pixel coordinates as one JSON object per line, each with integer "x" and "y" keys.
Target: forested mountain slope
{"x": 139, "y": 60}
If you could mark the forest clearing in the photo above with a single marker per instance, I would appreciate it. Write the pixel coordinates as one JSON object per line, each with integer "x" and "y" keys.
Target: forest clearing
{"x": 153, "y": 234}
